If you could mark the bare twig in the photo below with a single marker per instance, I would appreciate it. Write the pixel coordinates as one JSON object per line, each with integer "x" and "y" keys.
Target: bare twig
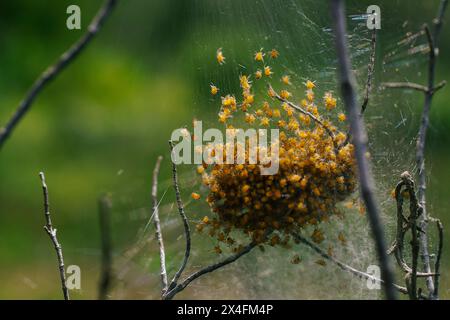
{"x": 162, "y": 253}
{"x": 414, "y": 206}
{"x": 52, "y": 234}
{"x": 413, "y": 86}
{"x": 359, "y": 140}
{"x": 403, "y": 225}
{"x": 175, "y": 287}
{"x": 439, "y": 86}
{"x": 52, "y": 71}
{"x": 344, "y": 266}
{"x": 402, "y": 228}
{"x": 405, "y": 85}
{"x": 429, "y": 90}
{"x": 187, "y": 232}
{"x": 104, "y": 209}
{"x": 305, "y": 112}
{"x": 181, "y": 286}
{"x": 437, "y": 264}
{"x": 370, "y": 70}
{"x": 438, "y": 22}
{"x": 420, "y": 150}
{"x": 414, "y": 213}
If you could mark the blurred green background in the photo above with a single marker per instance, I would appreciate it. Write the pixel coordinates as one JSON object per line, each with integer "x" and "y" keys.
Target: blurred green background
{"x": 101, "y": 124}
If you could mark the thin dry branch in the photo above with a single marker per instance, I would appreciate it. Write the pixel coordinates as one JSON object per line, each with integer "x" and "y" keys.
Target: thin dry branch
{"x": 403, "y": 225}
{"x": 175, "y": 287}
{"x": 187, "y": 232}
{"x": 438, "y": 22}
{"x": 413, "y": 86}
{"x": 429, "y": 90}
{"x": 360, "y": 140}
{"x": 439, "y": 86}
{"x": 420, "y": 149}
{"x": 415, "y": 211}
{"x": 52, "y": 234}
{"x": 404, "y": 85}
{"x": 162, "y": 252}
{"x": 181, "y": 286}
{"x": 344, "y": 266}
{"x": 305, "y": 112}
{"x": 411, "y": 223}
{"x": 437, "y": 264}
{"x": 370, "y": 70}
{"x": 52, "y": 71}
{"x": 104, "y": 210}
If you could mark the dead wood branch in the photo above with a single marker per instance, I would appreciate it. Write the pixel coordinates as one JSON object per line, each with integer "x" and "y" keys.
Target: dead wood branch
{"x": 162, "y": 253}
{"x": 420, "y": 149}
{"x": 344, "y": 266}
{"x": 54, "y": 70}
{"x": 360, "y": 142}
{"x": 52, "y": 234}
{"x": 370, "y": 71}
{"x": 181, "y": 286}
{"x": 429, "y": 90}
{"x": 187, "y": 232}
{"x": 305, "y": 112}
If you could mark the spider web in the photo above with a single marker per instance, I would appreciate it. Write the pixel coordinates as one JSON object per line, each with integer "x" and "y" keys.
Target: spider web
{"x": 301, "y": 32}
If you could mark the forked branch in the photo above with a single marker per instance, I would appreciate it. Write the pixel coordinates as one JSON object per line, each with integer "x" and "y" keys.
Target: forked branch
{"x": 343, "y": 266}
{"x": 405, "y": 189}
{"x": 181, "y": 286}
{"x": 187, "y": 232}
{"x": 303, "y": 111}
{"x": 420, "y": 149}
{"x": 429, "y": 90}
{"x": 174, "y": 287}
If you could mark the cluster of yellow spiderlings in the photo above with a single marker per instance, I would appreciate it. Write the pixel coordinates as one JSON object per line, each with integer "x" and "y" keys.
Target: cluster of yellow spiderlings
{"x": 316, "y": 167}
